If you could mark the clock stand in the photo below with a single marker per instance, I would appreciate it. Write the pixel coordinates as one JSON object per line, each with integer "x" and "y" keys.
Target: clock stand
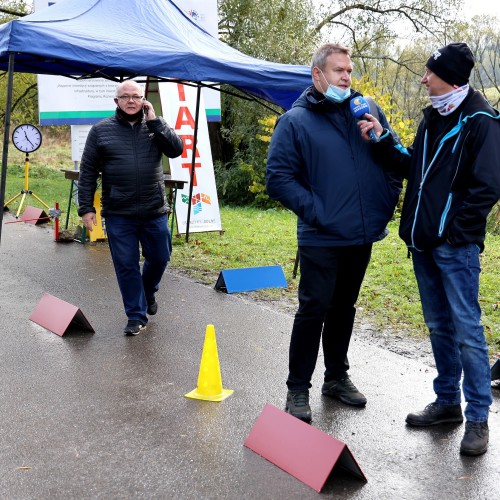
{"x": 26, "y": 190}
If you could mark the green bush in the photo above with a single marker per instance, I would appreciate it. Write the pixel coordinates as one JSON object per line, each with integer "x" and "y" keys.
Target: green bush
{"x": 232, "y": 184}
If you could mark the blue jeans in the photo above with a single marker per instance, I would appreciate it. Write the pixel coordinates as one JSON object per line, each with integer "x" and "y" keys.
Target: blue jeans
{"x": 448, "y": 280}
{"x": 126, "y": 237}
{"x": 330, "y": 280}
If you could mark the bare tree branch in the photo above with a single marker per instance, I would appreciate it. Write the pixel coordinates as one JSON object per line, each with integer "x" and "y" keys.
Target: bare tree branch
{"x": 409, "y": 12}
{"x": 12, "y": 12}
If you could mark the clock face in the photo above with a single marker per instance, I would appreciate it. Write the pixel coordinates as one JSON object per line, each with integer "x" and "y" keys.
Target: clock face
{"x": 27, "y": 138}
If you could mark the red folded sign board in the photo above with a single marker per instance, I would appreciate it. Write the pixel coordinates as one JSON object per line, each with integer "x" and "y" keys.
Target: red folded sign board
{"x": 298, "y": 448}
{"x": 56, "y": 315}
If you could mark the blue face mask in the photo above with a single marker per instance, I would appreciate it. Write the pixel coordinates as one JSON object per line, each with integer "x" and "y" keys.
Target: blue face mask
{"x": 334, "y": 93}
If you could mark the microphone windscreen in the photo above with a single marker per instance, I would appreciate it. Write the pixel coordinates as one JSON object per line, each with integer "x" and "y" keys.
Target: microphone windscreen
{"x": 359, "y": 106}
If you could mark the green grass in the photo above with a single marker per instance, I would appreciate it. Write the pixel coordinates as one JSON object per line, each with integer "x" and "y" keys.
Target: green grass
{"x": 389, "y": 298}
{"x": 47, "y": 184}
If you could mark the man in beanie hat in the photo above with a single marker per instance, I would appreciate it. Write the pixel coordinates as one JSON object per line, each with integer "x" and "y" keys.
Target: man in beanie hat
{"x": 453, "y": 172}
{"x": 453, "y": 64}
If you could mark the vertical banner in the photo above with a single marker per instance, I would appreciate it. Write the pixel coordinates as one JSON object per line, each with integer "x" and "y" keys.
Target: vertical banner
{"x": 178, "y": 103}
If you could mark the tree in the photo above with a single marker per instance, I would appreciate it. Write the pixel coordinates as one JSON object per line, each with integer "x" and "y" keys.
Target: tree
{"x": 12, "y": 9}
{"x": 24, "y": 92}
{"x": 278, "y": 31}
{"x": 362, "y": 24}
{"x": 288, "y": 31}
{"x": 483, "y": 36}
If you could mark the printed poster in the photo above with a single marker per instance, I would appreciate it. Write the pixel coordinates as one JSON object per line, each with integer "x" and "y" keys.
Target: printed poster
{"x": 178, "y": 102}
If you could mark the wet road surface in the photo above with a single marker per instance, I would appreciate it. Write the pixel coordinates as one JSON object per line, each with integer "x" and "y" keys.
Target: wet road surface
{"x": 105, "y": 416}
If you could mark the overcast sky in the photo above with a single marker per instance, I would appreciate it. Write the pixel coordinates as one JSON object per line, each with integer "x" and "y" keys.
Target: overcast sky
{"x": 475, "y": 7}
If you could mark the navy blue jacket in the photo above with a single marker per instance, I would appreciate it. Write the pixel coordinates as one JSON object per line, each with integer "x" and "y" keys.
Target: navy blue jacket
{"x": 454, "y": 182}
{"x": 129, "y": 158}
{"x": 319, "y": 167}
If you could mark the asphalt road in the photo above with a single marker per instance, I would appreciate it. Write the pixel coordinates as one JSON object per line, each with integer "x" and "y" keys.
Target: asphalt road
{"x": 104, "y": 416}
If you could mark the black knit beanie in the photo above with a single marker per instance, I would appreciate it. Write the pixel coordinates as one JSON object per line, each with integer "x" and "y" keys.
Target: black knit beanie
{"x": 452, "y": 63}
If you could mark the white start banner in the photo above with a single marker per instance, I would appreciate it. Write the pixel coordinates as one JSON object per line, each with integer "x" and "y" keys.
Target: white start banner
{"x": 178, "y": 103}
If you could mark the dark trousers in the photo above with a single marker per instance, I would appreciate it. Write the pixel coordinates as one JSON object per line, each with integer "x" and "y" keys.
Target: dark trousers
{"x": 330, "y": 280}
{"x": 126, "y": 237}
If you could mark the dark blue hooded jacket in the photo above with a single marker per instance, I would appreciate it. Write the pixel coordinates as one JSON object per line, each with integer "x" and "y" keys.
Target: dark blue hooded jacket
{"x": 319, "y": 167}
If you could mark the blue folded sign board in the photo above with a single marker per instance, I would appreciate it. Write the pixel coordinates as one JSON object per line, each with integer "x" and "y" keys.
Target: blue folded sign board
{"x": 250, "y": 278}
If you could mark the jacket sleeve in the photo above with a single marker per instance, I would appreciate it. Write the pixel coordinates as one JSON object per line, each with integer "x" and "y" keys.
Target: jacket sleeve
{"x": 389, "y": 151}
{"x": 481, "y": 182}
{"x": 169, "y": 142}
{"x": 397, "y": 163}
{"x": 286, "y": 175}
{"x": 89, "y": 172}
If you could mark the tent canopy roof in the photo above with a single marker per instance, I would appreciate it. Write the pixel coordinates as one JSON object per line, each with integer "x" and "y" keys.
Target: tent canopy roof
{"x": 90, "y": 39}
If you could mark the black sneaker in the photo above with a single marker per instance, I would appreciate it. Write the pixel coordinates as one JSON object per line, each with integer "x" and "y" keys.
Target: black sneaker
{"x": 133, "y": 327}
{"x": 297, "y": 404}
{"x": 152, "y": 307}
{"x": 344, "y": 390}
{"x": 475, "y": 440}
{"x": 436, "y": 413}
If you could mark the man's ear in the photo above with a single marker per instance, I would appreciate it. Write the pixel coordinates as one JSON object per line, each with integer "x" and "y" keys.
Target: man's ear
{"x": 315, "y": 73}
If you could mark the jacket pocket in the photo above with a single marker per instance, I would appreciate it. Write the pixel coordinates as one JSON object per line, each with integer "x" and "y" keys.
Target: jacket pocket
{"x": 119, "y": 198}
{"x": 444, "y": 215}
{"x": 160, "y": 199}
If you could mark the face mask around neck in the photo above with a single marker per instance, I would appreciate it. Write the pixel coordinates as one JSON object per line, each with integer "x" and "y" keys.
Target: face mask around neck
{"x": 447, "y": 103}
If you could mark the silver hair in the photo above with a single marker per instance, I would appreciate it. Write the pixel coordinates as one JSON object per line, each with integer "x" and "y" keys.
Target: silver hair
{"x": 322, "y": 53}
{"x": 120, "y": 85}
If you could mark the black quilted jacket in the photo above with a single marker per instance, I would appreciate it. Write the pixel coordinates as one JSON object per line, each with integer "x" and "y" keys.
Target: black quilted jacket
{"x": 129, "y": 160}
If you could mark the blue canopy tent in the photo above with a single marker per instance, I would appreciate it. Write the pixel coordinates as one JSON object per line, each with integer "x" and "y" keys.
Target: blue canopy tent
{"x": 84, "y": 39}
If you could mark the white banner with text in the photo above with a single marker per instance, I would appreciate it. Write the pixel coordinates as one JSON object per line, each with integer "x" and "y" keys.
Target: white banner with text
{"x": 178, "y": 103}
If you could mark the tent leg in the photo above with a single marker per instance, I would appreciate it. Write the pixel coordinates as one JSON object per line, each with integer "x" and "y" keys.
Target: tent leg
{"x": 193, "y": 159}
{"x": 6, "y": 134}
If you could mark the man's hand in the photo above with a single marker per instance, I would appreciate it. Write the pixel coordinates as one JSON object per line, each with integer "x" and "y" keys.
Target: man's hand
{"x": 89, "y": 219}
{"x": 368, "y": 123}
{"x": 149, "y": 112}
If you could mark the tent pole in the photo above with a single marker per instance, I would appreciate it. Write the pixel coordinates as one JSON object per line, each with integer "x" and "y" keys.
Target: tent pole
{"x": 6, "y": 133}
{"x": 193, "y": 160}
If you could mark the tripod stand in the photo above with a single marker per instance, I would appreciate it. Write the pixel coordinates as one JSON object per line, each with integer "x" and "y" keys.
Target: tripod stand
{"x": 26, "y": 189}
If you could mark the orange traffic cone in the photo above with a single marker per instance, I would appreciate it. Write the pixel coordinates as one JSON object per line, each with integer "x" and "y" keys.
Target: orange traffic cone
{"x": 209, "y": 378}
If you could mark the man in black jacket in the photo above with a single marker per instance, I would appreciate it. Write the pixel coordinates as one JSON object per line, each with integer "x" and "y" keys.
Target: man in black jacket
{"x": 453, "y": 171}
{"x": 126, "y": 150}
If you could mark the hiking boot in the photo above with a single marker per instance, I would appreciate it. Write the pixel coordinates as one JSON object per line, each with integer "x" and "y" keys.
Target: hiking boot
{"x": 436, "y": 413}
{"x": 133, "y": 327}
{"x": 297, "y": 404}
{"x": 344, "y": 390}
{"x": 475, "y": 440}
{"x": 152, "y": 307}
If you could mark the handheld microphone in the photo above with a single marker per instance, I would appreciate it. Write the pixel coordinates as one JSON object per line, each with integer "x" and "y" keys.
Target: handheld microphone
{"x": 359, "y": 107}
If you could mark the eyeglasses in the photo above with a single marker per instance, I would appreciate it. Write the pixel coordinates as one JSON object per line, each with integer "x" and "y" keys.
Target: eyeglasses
{"x": 126, "y": 98}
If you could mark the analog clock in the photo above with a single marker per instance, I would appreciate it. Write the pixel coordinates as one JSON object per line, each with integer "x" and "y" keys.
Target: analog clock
{"x": 27, "y": 138}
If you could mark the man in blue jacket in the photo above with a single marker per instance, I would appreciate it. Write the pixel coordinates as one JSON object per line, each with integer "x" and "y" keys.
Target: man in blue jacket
{"x": 453, "y": 171}
{"x": 320, "y": 168}
{"x": 126, "y": 150}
